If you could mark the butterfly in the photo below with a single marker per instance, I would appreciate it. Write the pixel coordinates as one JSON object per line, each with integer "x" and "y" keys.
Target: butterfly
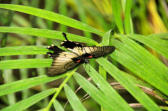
{"x": 64, "y": 61}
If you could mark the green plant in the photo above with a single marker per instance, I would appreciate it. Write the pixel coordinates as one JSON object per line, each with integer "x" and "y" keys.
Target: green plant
{"x": 142, "y": 69}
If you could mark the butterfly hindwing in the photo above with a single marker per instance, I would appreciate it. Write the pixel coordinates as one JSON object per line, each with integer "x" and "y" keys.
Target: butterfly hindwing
{"x": 63, "y": 61}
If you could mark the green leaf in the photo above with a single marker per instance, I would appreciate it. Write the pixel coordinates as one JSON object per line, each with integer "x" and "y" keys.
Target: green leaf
{"x": 22, "y": 105}
{"x": 82, "y": 15}
{"x": 157, "y": 44}
{"x": 25, "y": 63}
{"x": 105, "y": 42}
{"x": 160, "y": 35}
{"x": 102, "y": 72}
{"x": 47, "y": 34}
{"x": 51, "y": 16}
{"x": 128, "y": 21}
{"x": 73, "y": 99}
{"x": 116, "y": 8}
{"x": 8, "y": 77}
{"x": 127, "y": 83}
{"x": 63, "y": 10}
{"x": 22, "y": 50}
{"x": 107, "y": 89}
{"x": 97, "y": 95}
{"x": 142, "y": 63}
{"x": 106, "y": 38}
{"x": 58, "y": 106}
{"x": 69, "y": 75}
{"x": 98, "y": 17}
{"x": 50, "y": 5}
{"x": 26, "y": 83}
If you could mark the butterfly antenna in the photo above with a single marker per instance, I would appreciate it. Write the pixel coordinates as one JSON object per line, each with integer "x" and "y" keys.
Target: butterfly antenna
{"x": 64, "y": 34}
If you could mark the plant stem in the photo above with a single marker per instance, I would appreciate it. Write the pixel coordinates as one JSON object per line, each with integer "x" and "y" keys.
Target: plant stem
{"x": 58, "y": 90}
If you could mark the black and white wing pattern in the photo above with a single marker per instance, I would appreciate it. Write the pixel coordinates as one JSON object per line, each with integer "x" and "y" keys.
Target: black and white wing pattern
{"x": 63, "y": 61}
{"x": 93, "y": 51}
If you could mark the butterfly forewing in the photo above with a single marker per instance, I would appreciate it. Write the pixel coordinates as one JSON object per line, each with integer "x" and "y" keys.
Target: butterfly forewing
{"x": 95, "y": 51}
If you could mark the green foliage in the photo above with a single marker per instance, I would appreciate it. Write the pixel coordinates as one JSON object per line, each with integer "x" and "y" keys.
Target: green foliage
{"x": 132, "y": 63}
{"x": 51, "y": 16}
{"x": 29, "y": 101}
{"x": 58, "y": 106}
{"x": 73, "y": 99}
{"x": 28, "y": 63}
{"x": 25, "y": 84}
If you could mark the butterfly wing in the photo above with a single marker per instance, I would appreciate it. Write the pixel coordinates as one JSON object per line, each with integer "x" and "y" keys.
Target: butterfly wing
{"x": 62, "y": 61}
{"x": 94, "y": 51}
